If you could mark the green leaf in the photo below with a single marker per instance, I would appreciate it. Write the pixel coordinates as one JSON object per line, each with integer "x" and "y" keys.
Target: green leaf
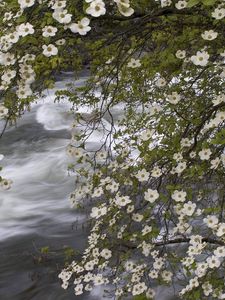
{"x": 208, "y": 2}
{"x": 192, "y": 3}
{"x": 45, "y": 250}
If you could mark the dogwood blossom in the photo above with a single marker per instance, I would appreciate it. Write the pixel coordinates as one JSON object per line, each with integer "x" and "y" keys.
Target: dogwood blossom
{"x": 82, "y": 27}
{"x": 26, "y": 3}
{"x": 209, "y": 35}
{"x": 151, "y": 195}
{"x": 134, "y": 63}
{"x": 62, "y": 16}
{"x": 49, "y": 31}
{"x": 179, "y": 196}
{"x": 181, "y": 4}
{"x": 49, "y": 50}
{"x": 204, "y": 154}
{"x": 201, "y": 58}
{"x": 174, "y": 98}
{"x": 180, "y": 54}
{"x": 218, "y": 13}
{"x": 25, "y": 28}
{"x": 142, "y": 175}
{"x": 96, "y": 8}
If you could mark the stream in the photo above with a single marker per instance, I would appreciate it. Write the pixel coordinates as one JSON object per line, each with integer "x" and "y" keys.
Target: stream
{"x": 36, "y": 212}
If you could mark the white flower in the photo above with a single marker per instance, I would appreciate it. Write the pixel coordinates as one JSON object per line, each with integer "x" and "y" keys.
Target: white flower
{"x": 146, "y": 229}
{"x": 5, "y": 184}
{"x": 98, "y": 279}
{"x": 215, "y": 163}
{"x": 112, "y": 187}
{"x": 137, "y": 217}
{"x": 178, "y": 156}
{"x": 59, "y": 4}
{"x": 156, "y": 172}
{"x": 193, "y": 282}
{"x": 49, "y": 31}
{"x": 49, "y": 50}
{"x": 195, "y": 240}
{"x": 158, "y": 263}
{"x": 146, "y": 135}
{"x": 26, "y": 3}
{"x": 7, "y": 16}
{"x": 185, "y": 142}
{"x": 81, "y": 26}
{"x": 219, "y": 251}
{"x": 192, "y": 154}
{"x": 221, "y": 229}
{"x": 27, "y": 57}
{"x": 25, "y": 29}
{"x": 96, "y": 8}
{"x": 3, "y": 111}
{"x": 160, "y": 82}
{"x": 207, "y": 288}
{"x": 142, "y": 175}
{"x": 167, "y": 276}
{"x": 153, "y": 274}
{"x": 209, "y": 35}
{"x": 78, "y": 289}
{"x": 130, "y": 209}
{"x": 124, "y": 10}
{"x": 122, "y": 200}
{"x": 8, "y": 75}
{"x": 1, "y": 156}
{"x": 150, "y": 294}
{"x": 174, "y": 98}
{"x": 13, "y": 37}
{"x": 181, "y": 166}
{"x": 97, "y": 212}
{"x": 213, "y": 262}
{"x": 211, "y": 221}
{"x": 201, "y": 269}
{"x": 154, "y": 109}
{"x": 165, "y": 3}
{"x": 151, "y": 195}
{"x": 187, "y": 261}
{"x": 181, "y": 4}
{"x": 98, "y": 191}
{"x": 139, "y": 288}
{"x": 60, "y": 42}
{"x": 24, "y": 92}
{"x": 101, "y": 155}
{"x": 134, "y": 63}
{"x": 188, "y": 208}
{"x": 89, "y": 266}
{"x": 219, "y": 13}
{"x": 65, "y": 285}
{"x": 200, "y": 59}
{"x": 220, "y": 116}
{"x": 219, "y": 99}
{"x": 7, "y": 59}
{"x": 179, "y": 196}
{"x": 62, "y": 16}
{"x": 180, "y": 54}
{"x": 106, "y": 253}
{"x": 204, "y": 154}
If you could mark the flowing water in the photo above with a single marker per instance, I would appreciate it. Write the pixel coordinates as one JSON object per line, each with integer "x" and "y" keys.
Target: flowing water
{"x": 35, "y": 212}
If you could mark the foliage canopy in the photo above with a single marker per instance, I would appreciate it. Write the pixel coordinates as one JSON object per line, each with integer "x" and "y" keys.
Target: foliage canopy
{"x": 157, "y": 181}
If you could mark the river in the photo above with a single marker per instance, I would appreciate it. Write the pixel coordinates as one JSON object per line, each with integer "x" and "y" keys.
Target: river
{"x": 36, "y": 212}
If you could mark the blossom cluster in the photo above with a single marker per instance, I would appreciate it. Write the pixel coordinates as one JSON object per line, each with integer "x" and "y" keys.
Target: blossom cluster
{"x": 145, "y": 182}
